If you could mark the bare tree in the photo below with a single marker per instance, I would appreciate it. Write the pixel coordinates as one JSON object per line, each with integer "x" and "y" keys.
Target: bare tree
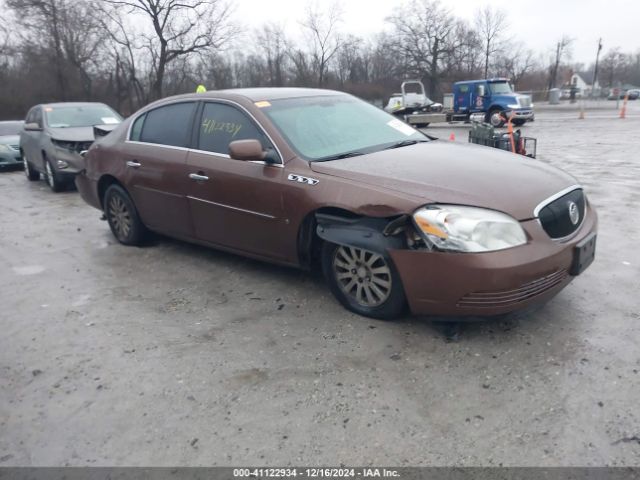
{"x": 424, "y": 34}
{"x": 179, "y": 28}
{"x": 516, "y": 62}
{"x": 322, "y": 26}
{"x": 69, "y": 31}
{"x": 272, "y": 42}
{"x": 562, "y": 50}
{"x": 491, "y": 25}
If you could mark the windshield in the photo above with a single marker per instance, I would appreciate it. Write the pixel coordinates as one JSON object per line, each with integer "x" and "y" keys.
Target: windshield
{"x": 81, "y": 116}
{"x": 323, "y": 128}
{"x": 499, "y": 88}
{"x": 10, "y": 128}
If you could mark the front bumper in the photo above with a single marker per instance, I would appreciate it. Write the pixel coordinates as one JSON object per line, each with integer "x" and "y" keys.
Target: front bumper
{"x": 522, "y": 114}
{"x": 493, "y": 283}
{"x": 10, "y": 159}
{"x": 67, "y": 163}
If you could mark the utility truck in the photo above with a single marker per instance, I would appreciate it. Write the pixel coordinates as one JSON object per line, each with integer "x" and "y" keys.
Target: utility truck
{"x": 491, "y": 100}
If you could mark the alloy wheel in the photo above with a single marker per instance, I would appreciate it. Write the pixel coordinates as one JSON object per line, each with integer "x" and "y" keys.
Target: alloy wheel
{"x": 364, "y": 276}
{"x": 120, "y": 216}
{"x": 50, "y": 180}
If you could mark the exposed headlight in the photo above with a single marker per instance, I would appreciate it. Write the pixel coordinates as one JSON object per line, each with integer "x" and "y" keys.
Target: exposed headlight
{"x": 468, "y": 229}
{"x": 513, "y": 105}
{"x": 64, "y": 144}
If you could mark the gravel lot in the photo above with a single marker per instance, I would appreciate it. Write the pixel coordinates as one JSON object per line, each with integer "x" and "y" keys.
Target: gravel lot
{"x": 178, "y": 355}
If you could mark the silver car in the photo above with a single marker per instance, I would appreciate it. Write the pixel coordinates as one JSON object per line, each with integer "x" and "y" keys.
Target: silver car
{"x": 9, "y": 144}
{"x": 56, "y": 134}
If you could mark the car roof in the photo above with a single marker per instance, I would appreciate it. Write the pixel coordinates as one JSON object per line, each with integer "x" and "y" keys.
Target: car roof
{"x": 70, "y": 104}
{"x": 254, "y": 94}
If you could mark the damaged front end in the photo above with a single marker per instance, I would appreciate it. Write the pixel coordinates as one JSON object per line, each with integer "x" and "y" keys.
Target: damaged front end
{"x": 377, "y": 235}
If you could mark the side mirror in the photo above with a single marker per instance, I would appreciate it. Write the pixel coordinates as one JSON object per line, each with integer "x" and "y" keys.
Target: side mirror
{"x": 249, "y": 150}
{"x": 32, "y": 127}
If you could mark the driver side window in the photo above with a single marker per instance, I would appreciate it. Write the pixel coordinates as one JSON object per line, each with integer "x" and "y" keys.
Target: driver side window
{"x": 221, "y": 124}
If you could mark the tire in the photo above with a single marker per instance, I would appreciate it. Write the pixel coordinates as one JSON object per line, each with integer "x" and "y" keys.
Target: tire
{"x": 495, "y": 118}
{"x": 518, "y": 123}
{"x": 32, "y": 174}
{"x": 123, "y": 217}
{"x": 371, "y": 288}
{"x": 51, "y": 177}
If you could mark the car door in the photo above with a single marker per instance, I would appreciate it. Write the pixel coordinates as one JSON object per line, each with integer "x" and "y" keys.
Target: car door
{"x": 154, "y": 159}
{"x": 29, "y": 139}
{"x": 234, "y": 203}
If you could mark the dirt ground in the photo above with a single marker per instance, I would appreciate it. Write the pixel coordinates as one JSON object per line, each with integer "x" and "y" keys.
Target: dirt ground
{"x": 177, "y": 355}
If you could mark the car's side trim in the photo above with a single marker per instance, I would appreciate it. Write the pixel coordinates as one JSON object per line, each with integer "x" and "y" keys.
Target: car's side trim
{"x": 562, "y": 193}
{"x": 170, "y": 147}
{"x": 251, "y": 212}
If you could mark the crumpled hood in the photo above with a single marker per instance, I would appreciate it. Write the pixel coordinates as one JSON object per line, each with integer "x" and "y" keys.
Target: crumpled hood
{"x": 463, "y": 174}
{"x": 77, "y": 134}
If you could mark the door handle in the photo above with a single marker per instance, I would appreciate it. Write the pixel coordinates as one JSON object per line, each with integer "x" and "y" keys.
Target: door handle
{"x": 197, "y": 176}
{"x": 133, "y": 164}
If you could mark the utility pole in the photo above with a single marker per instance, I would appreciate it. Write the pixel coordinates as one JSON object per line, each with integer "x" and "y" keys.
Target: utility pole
{"x": 595, "y": 70}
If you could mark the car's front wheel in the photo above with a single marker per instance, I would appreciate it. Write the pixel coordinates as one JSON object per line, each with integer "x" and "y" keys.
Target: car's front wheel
{"x": 32, "y": 174}
{"x": 495, "y": 117}
{"x": 364, "y": 282}
{"x": 123, "y": 217}
{"x": 52, "y": 178}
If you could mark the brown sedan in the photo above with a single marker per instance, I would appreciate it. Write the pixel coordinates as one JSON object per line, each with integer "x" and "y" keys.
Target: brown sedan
{"x": 317, "y": 178}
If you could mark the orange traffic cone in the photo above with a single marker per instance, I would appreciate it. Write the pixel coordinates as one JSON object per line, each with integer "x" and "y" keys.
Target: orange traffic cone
{"x": 623, "y": 110}
{"x": 452, "y": 137}
{"x": 510, "y": 132}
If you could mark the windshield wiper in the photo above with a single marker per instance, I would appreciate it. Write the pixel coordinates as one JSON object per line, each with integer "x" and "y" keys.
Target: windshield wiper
{"x": 339, "y": 156}
{"x": 404, "y": 143}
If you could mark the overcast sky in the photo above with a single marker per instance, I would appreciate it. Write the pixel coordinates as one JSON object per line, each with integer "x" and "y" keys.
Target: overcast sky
{"x": 539, "y": 23}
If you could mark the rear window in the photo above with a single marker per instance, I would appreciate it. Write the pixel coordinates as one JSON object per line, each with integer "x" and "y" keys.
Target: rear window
{"x": 168, "y": 125}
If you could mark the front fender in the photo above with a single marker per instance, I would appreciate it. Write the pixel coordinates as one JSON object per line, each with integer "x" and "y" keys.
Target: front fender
{"x": 372, "y": 234}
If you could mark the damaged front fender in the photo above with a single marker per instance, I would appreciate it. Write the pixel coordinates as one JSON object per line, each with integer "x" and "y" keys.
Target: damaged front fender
{"x": 373, "y": 234}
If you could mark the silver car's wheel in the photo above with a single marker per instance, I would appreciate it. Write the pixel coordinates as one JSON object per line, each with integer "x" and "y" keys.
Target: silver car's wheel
{"x": 363, "y": 276}
{"x": 50, "y": 178}
{"x": 32, "y": 175}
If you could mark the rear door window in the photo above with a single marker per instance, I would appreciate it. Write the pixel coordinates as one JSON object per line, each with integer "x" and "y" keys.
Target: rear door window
{"x": 136, "y": 129}
{"x": 168, "y": 125}
{"x": 221, "y": 124}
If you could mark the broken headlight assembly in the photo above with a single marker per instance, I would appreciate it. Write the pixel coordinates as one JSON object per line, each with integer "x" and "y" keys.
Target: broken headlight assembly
{"x": 467, "y": 229}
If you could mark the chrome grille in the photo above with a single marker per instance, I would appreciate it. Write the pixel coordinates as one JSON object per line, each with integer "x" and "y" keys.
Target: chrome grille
{"x": 555, "y": 217}
{"x": 524, "y": 102}
{"x": 505, "y": 298}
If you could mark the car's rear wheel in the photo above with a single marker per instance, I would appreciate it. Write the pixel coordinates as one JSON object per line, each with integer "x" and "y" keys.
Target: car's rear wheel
{"x": 32, "y": 174}
{"x": 51, "y": 177}
{"x": 123, "y": 217}
{"x": 364, "y": 282}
